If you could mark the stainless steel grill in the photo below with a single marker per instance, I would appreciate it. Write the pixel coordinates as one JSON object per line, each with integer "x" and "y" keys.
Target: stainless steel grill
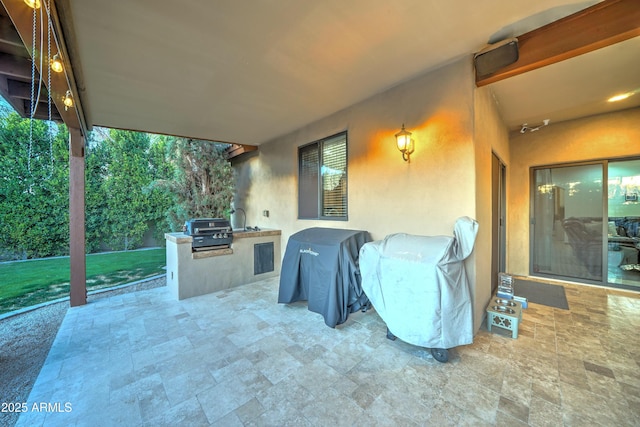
{"x": 209, "y": 233}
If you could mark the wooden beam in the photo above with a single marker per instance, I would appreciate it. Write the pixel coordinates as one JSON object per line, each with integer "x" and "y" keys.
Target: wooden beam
{"x": 22, "y": 90}
{"x": 598, "y": 26}
{"x": 78, "y": 283}
{"x": 17, "y": 104}
{"x": 22, "y": 18}
{"x": 42, "y": 111}
{"x": 10, "y": 41}
{"x": 18, "y": 94}
{"x": 16, "y": 67}
{"x": 8, "y": 34}
{"x": 235, "y": 150}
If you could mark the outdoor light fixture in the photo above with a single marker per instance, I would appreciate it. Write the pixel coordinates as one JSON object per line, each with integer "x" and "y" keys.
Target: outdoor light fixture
{"x": 525, "y": 127}
{"x": 405, "y": 143}
{"x": 34, "y": 4}
{"x": 67, "y": 100}
{"x": 56, "y": 63}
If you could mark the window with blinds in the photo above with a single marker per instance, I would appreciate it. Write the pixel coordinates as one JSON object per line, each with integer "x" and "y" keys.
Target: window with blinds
{"x": 322, "y": 187}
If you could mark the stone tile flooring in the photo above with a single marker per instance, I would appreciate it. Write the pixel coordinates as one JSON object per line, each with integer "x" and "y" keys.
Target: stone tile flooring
{"x": 238, "y": 358}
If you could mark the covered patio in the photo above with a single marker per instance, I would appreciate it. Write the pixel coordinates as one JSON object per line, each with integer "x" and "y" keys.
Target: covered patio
{"x": 286, "y": 75}
{"x": 236, "y": 357}
{"x": 268, "y": 78}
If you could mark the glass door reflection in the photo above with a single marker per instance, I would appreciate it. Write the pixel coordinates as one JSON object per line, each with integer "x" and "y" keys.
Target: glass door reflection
{"x": 623, "y": 232}
{"x": 567, "y": 222}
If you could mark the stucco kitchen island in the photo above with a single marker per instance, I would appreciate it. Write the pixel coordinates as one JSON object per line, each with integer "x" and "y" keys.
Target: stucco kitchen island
{"x": 253, "y": 256}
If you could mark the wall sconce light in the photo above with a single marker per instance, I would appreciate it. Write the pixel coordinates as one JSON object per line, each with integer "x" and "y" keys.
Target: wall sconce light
{"x": 67, "y": 100}
{"x": 56, "y": 63}
{"x": 405, "y": 143}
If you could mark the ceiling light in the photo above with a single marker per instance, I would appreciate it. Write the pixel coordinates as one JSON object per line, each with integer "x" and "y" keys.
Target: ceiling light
{"x": 56, "y": 63}
{"x": 620, "y": 97}
{"x": 34, "y": 4}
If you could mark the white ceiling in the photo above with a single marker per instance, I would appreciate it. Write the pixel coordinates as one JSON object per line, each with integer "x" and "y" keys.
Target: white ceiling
{"x": 578, "y": 87}
{"x": 249, "y": 71}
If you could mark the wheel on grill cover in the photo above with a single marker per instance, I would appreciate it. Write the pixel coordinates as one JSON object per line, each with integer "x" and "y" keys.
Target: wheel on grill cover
{"x": 440, "y": 354}
{"x": 390, "y": 336}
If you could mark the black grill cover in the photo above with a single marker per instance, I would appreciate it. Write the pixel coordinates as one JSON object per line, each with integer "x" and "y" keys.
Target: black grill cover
{"x": 320, "y": 265}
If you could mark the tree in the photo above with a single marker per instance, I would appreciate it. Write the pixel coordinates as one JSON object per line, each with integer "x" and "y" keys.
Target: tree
{"x": 34, "y": 188}
{"x": 34, "y": 192}
{"x": 203, "y": 183}
{"x": 127, "y": 208}
{"x": 160, "y": 168}
{"x": 96, "y": 172}
{"x": 134, "y": 182}
{"x": 120, "y": 204}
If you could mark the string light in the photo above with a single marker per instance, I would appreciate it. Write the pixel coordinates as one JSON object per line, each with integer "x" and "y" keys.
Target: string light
{"x": 67, "y": 100}
{"x": 34, "y": 4}
{"x": 56, "y": 63}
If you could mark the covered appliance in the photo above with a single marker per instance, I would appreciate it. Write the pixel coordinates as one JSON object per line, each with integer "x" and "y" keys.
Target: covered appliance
{"x": 418, "y": 286}
{"x": 209, "y": 233}
{"x": 320, "y": 265}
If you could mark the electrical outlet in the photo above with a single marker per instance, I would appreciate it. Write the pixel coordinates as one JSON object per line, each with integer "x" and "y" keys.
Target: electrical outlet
{"x": 265, "y": 213}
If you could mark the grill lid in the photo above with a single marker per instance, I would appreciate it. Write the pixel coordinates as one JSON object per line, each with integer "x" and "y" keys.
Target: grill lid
{"x": 207, "y": 226}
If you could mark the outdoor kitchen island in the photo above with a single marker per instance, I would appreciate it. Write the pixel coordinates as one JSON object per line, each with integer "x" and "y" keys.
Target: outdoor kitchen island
{"x": 253, "y": 256}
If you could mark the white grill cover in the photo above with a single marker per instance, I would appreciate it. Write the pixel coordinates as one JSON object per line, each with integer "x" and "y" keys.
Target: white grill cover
{"x": 418, "y": 285}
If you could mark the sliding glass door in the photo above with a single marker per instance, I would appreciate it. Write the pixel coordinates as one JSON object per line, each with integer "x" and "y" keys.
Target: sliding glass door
{"x": 585, "y": 222}
{"x": 623, "y": 230}
{"x": 567, "y": 221}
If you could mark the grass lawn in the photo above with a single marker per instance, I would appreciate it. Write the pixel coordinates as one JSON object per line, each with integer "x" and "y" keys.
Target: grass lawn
{"x": 26, "y": 283}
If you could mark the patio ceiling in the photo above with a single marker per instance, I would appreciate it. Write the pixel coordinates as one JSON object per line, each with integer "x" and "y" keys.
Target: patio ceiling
{"x": 15, "y": 72}
{"x": 247, "y": 72}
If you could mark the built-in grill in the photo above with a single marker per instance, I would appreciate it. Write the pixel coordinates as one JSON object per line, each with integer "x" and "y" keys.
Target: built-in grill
{"x": 209, "y": 233}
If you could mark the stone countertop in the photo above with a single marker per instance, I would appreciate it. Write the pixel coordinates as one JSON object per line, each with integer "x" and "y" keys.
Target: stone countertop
{"x": 241, "y": 234}
{"x": 180, "y": 237}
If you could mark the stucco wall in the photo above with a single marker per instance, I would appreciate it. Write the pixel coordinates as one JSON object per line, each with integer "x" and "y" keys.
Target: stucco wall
{"x": 386, "y": 194}
{"x": 613, "y": 135}
{"x": 490, "y": 135}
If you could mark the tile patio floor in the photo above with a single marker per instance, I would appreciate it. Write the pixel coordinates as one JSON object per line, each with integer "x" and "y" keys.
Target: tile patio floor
{"x": 238, "y": 358}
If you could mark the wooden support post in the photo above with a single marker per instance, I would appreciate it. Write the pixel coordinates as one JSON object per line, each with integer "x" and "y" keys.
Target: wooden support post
{"x": 78, "y": 292}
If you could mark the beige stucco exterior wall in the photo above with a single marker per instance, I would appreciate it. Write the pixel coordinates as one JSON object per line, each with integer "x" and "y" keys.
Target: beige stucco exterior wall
{"x": 386, "y": 194}
{"x": 613, "y": 135}
{"x": 490, "y": 135}
{"x": 456, "y": 127}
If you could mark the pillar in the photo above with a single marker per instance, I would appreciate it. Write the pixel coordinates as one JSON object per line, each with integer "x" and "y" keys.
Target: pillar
{"x": 78, "y": 292}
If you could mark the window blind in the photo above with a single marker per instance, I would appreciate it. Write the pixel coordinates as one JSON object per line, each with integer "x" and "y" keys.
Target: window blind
{"x": 322, "y": 179}
{"x": 334, "y": 177}
{"x": 309, "y": 159}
